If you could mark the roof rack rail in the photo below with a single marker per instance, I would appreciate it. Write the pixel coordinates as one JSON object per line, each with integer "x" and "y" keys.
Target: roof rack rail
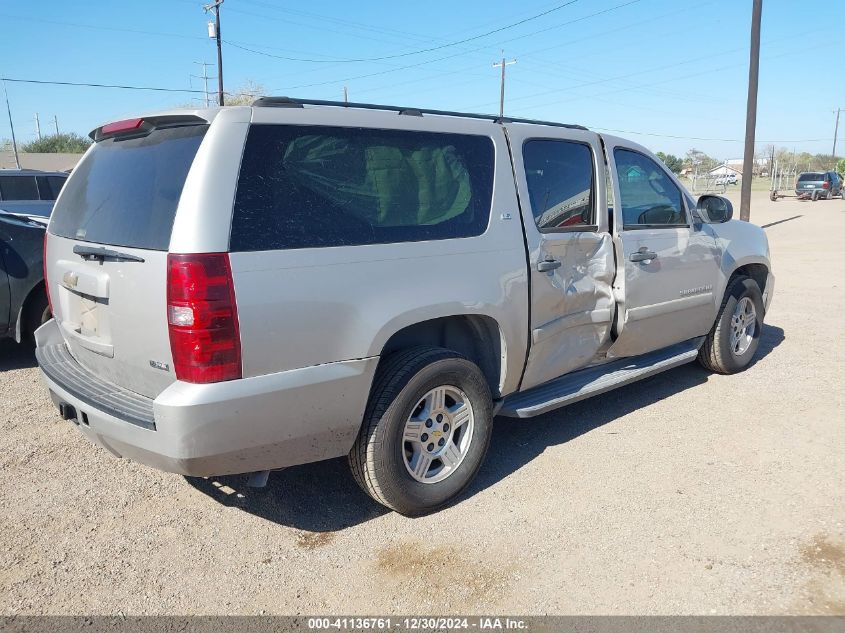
{"x": 288, "y": 102}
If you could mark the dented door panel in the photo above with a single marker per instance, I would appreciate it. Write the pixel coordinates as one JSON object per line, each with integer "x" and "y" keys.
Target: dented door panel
{"x": 572, "y": 306}
{"x": 571, "y": 267}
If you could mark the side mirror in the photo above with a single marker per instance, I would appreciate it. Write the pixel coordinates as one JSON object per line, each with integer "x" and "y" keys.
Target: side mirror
{"x": 714, "y": 209}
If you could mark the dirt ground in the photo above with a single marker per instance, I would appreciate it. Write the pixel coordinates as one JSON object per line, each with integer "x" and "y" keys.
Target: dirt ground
{"x": 688, "y": 493}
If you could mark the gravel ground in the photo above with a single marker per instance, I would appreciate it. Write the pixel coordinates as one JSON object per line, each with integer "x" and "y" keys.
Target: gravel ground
{"x": 687, "y": 493}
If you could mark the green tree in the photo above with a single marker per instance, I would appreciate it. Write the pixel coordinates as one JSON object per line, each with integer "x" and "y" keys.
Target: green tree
{"x": 671, "y": 161}
{"x": 246, "y": 93}
{"x": 698, "y": 158}
{"x": 840, "y": 166}
{"x": 70, "y": 143}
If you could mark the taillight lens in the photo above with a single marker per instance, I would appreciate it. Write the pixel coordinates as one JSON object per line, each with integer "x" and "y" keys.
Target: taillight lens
{"x": 825, "y": 185}
{"x": 44, "y": 271}
{"x": 202, "y": 317}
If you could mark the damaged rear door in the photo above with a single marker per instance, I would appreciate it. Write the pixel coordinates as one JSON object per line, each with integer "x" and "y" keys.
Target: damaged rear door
{"x": 560, "y": 177}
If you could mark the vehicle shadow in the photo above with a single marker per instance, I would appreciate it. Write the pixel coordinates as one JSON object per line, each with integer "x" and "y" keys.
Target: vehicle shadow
{"x": 517, "y": 442}
{"x": 323, "y": 497}
{"x": 16, "y": 355}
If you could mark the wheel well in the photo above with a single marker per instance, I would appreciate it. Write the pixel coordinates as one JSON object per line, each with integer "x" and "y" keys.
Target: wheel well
{"x": 757, "y": 272}
{"x": 26, "y": 309}
{"x": 476, "y": 337}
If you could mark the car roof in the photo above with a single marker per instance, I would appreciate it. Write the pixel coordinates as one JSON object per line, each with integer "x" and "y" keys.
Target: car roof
{"x": 31, "y": 172}
{"x": 288, "y": 102}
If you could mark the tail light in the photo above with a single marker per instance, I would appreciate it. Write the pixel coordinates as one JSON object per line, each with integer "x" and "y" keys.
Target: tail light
{"x": 202, "y": 318}
{"x": 44, "y": 266}
{"x": 825, "y": 185}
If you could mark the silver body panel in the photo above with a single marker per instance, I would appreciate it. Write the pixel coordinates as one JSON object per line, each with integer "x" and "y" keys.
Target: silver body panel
{"x": 671, "y": 298}
{"x": 314, "y": 321}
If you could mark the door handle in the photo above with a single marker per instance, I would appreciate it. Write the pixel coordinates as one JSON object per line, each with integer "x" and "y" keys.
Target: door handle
{"x": 548, "y": 265}
{"x": 643, "y": 255}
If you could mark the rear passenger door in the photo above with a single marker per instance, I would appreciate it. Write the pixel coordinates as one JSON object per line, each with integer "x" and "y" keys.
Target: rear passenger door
{"x": 668, "y": 266}
{"x": 561, "y": 182}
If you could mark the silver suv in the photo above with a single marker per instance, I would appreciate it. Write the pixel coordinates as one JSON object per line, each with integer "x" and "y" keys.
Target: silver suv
{"x": 243, "y": 289}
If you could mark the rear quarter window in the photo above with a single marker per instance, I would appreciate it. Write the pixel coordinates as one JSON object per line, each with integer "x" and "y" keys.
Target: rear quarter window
{"x": 317, "y": 186}
{"x": 125, "y": 191}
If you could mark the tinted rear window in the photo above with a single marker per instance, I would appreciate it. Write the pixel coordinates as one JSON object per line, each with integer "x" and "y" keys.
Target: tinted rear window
{"x": 315, "y": 186}
{"x": 125, "y": 192}
{"x": 18, "y": 188}
{"x": 810, "y": 177}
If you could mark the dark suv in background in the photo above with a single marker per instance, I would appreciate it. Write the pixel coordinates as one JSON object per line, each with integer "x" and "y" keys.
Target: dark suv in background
{"x": 30, "y": 191}
{"x": 27, "y": 197}
{"x": 815, "y": 185}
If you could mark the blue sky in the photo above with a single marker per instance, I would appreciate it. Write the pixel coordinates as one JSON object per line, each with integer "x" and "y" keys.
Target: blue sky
{"x": 650, "y": 70}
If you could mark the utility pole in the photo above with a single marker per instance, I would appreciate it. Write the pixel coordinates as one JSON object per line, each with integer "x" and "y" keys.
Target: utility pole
{"x": 205, "y": 79}
{"x": 12, "y": 126}
{"x": 751, "y": 113}
{"x": 215, "y": 33}
{"x": 502, "y": 63}
{"x": 37, "y": 126}
{"x": 835, "y": 134}
{"x": 56, "y": 121}
{"x": 345, "y": 95}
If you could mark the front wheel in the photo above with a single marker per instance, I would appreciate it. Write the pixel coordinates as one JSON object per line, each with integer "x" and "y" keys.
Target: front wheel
{"x": 425, "y": 432}
{"x": 731, "y": 343}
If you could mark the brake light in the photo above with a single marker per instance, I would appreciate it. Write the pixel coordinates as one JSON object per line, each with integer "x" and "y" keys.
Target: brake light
{"x": 44, "y": 270}
{"x": 117, "y": 127}
{"x": 825, "y": 185}
{"x": 202, "y": 318}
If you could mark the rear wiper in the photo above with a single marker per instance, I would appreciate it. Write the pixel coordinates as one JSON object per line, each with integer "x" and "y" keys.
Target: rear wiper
{"x": 91, "y": 252}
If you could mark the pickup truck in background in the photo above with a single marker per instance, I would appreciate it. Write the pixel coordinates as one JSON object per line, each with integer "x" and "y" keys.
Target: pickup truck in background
{"x": 241, "y": 289}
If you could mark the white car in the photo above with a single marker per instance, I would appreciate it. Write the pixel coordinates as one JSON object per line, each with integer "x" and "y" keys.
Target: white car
{"x": 727, "y": 179}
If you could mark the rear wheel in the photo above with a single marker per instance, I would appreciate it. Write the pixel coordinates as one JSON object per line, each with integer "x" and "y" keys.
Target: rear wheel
{"x": 731, "y": 343}
{"x": 425, "y": 432}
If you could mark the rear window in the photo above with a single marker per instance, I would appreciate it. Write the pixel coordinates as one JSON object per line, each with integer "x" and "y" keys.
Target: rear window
{"x": 315, "y": 186}
{"x": 125, "y": 191}
{"x": 810, "y": 177}
{"x": 18, "y": 188}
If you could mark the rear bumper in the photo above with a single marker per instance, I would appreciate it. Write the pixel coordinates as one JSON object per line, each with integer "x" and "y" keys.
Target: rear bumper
{"x": 292, "y": 417}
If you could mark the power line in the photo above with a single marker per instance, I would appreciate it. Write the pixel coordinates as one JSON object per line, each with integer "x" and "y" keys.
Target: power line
{"x": 700, "y": 138}
{"x": 438, "y": 59}
{"x": 417, "y": 52}
{"x": 95, "y": 85}
{"x": 101, "y": 28}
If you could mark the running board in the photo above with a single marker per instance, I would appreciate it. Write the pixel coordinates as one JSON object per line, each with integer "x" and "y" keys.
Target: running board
{"x": 592, "y": 381}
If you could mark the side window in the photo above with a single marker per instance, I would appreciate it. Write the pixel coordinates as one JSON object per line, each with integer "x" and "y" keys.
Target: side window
{"x": 315, "y": 186}
{"x": 648, "y": 195}
{"x": 50, "y": 186}
{"x": 18, "y": 188}
{"x": 560, "y": 183}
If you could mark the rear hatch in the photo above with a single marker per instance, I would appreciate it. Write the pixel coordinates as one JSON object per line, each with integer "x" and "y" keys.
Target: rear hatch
{"x": 106, "y": 249}
{"x": 810, "y": 181}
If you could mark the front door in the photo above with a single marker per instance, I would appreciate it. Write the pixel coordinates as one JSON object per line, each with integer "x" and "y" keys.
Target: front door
{"x": 561, "y": 182}
{"x": 665, "y": 295}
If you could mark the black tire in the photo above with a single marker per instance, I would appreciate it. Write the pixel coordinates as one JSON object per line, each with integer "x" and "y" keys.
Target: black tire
{"x": 36, "y": 314}
{"x": 717, "y": 354}
{"x": 377, "y": 458}
{"x": 815, "y": 196}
